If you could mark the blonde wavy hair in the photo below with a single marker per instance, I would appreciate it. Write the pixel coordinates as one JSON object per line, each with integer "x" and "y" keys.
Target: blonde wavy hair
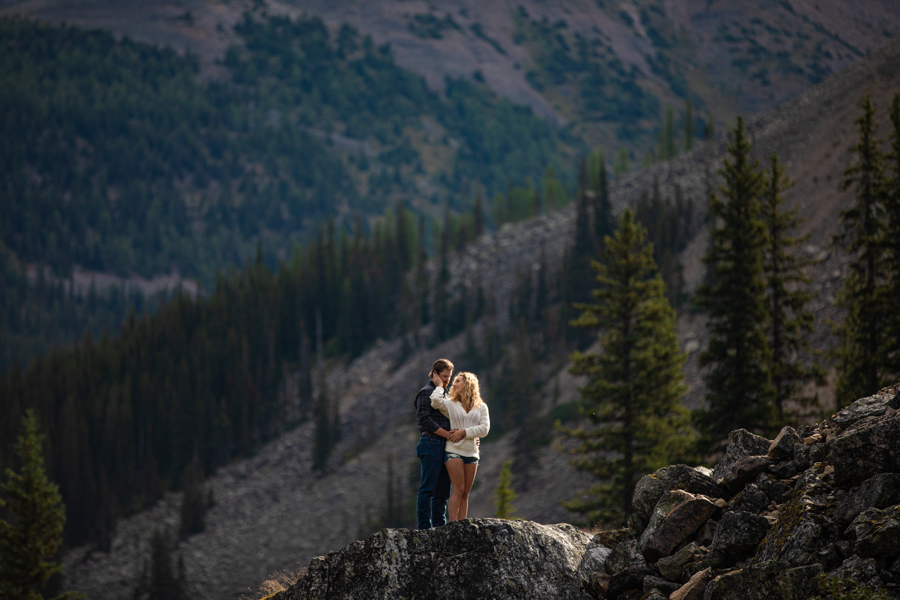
{"x": 470, "y": 397}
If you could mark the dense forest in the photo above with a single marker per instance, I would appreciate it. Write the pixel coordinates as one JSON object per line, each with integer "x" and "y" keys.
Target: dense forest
{"x": 195, "y": 384}
{"x": 117, "y": 157}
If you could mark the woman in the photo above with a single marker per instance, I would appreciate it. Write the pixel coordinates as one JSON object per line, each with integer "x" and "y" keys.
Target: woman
{"x": 469, "y": 417}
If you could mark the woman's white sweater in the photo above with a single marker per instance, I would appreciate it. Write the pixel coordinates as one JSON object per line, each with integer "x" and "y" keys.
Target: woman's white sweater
{"x": 476, "y": 422}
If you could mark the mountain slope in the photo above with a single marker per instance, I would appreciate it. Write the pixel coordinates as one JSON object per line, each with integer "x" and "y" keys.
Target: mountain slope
{"x": 272, "y": 510}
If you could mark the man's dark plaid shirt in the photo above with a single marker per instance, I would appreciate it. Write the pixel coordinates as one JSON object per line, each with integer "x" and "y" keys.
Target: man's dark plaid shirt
{"x": 429, "y": 419}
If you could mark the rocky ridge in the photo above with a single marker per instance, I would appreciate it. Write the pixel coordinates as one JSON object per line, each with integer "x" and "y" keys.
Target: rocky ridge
{"x": 768, "y": 522}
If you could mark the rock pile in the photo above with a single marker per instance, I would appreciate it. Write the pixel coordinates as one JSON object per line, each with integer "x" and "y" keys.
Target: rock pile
{"x": 766, "y": 523}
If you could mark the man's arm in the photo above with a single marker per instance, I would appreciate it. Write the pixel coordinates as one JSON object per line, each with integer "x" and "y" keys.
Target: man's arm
{"x": 423, "y": 415}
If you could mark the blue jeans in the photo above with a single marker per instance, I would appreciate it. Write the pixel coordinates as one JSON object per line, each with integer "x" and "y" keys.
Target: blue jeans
{"x": 434, "y": 491}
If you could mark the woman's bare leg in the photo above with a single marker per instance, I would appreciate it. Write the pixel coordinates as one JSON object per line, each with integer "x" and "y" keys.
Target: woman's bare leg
{"x": 469, "y": 480}
{"x": 457, "y": 480}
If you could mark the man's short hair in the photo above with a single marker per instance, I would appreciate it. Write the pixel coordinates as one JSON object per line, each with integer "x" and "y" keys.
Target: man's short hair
{"x": 441, "y": 365}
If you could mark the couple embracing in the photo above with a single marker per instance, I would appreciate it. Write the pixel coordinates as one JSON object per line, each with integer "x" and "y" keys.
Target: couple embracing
{"x": 451, "y": 420}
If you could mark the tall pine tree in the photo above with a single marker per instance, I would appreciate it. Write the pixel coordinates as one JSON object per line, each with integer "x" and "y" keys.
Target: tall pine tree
{"x": 738, "y": 389}
{"x": 862, "y": 362}
{"x": 892, "y": 238}
{"x": 787, "y": 293}
{"x": 28, "y": 542}
{"x": 635, "y": 384}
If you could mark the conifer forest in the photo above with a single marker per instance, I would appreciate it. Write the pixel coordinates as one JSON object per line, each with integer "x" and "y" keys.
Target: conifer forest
{"x": 311, "y": 193}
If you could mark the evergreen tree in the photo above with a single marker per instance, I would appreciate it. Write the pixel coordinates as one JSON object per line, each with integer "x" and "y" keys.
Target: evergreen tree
{"x": 667, "y": 147}
{"x": 787, "y": 292}
{"x": 602, "y": 207}
{"x": 738, "y": 389}
{"x": 635, "y": 384}
{"x": 29, "y": 541}
{"x": 688, "y": 126}
{"x": 162, "y": 583}
{"x": 709, "y": 129}
{"x": 620, "y": 164}
{"x": 193, "y": 502}
{"x": 862, "y": 361}
{"x": 892, "y": 236}
{"x": 504, "y": 494}
{"x": 477, "y": 216}
{"x": 578, "y": 275}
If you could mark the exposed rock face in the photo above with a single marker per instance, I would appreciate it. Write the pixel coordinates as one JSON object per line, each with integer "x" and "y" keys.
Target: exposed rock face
{"x": 765, "y": 581}
{"x": 677, "y": 516}
{"x": 741, "y": 443}
{"x": 868, "y": 446}
{"x": 837, "y": 515}
{"x": 484, "y": 558}
{"x": 651, "y": 488}
{"x": 880, "y": 491}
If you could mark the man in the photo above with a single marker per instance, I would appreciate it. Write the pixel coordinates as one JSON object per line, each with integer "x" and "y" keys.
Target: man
{"x": 434, "y": 429}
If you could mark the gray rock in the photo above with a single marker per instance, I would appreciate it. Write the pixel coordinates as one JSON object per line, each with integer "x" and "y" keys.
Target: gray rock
{"x": 677, "y": 515}
{"x": 796, "y": 536}
{"x": 751, "y": 499}
{"x": 626, "y": 583}
{"x": 765, "y": 581}
{"x": 818, "y": 452}
{"x": 830, "y": 557}
{"x": 773, "y": 488}
{"x": 708, "y": 533}
{"x": 866, "y": 449}
{"x": 879, "y": 491}
{"x": 739, "y": 532}
{"x": 873, "y": 406}
{"x": 694, "y": 588}
{"x": 624, "y": 554}
{"x": 782, "y": 447}
{"x": 711, "y": 560}
{"x": 651, "y": 582}
{"x": 786, "y": 470}
{"x": 655, "y": 594}
{"x": 863, "y": 570}
{"x": 672, "y": 567}
{"x": 473, "y": 558}
{"x": 877, "y": 533}
{"x": 651, "y": 488}
{"x": 741, "y": 443}
{"x": 743, "y": 471}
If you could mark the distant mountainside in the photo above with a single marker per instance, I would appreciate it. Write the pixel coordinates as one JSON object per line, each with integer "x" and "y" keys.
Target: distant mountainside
{"x": 275, "y": 503}
{"x": 606, "y": 69}
{"x": 134, "y": 160}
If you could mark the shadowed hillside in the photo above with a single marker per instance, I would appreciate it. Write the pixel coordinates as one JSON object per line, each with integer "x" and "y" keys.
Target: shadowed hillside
{"x": 275, "y": 504}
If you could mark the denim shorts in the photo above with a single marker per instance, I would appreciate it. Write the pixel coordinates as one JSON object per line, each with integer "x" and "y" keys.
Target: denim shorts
{"x": 467, "y": 460}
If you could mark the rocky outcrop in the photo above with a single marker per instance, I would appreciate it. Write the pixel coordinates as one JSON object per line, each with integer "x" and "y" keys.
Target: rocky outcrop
{"x": 476, "y": 558}
{"x": 753, "y": 533}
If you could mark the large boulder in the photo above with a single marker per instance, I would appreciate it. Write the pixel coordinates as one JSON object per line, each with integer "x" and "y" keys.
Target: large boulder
{"x": 782, "y": 447}
{"x": 677, "y": 515}
{"x": 868, "y": 445}
{"x": 765, "y": 581}
{"x": 650, "y": 488}
{"x": 877, "y": 533}
{"x": 469, "y": 559}
{"x": 672, "y": 567}
{"x": 739, "y": 532}
{"x": 796, "y": 535}
{"x": 743, "y": 471}
{"x": 880, "y": 491}
{"x": 651, "y": 582}
{"x": 694, "y": 588}
{"x": 741, "y": 443}
{"x": 625, "y": 565}
{"x": 872, "y": 406}
{"x": 751, "y": 499}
